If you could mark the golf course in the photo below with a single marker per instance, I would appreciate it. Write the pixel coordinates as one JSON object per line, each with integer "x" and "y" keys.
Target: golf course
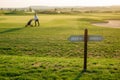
{"x": 46, "y": 53}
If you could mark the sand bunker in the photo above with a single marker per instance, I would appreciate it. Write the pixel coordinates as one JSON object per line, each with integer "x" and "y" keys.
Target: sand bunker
{"x": 110, "y": 23}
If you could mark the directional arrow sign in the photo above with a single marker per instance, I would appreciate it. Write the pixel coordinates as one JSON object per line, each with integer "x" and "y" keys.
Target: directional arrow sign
{"x": 95, "y": 38}
{"x": 85, "y": 38}
{"x": 78, "y": 38}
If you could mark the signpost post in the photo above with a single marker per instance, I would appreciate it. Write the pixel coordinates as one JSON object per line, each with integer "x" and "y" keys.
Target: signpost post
{"x": 85, "y": 49}
{"x": 85, "y": 38}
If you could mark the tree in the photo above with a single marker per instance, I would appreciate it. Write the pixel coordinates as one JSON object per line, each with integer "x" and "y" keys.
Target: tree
{"x": 30, "y": 9}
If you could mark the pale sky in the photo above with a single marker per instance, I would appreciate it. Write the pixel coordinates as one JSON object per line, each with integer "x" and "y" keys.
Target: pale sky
{"x": 26, "y": 3}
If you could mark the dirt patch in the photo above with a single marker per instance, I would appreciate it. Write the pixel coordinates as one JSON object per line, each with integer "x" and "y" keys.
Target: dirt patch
{"x": 37, "y": 64}
{"x": 110, "y": 23}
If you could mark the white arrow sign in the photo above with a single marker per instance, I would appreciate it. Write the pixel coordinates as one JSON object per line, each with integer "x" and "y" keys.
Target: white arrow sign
{"x": 85, "y": 38}
{"x": 95, "y": 38}
{"x": 78, "y": 38}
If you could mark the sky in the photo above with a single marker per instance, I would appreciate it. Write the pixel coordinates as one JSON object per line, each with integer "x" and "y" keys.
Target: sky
{"x": 26, "y": 3}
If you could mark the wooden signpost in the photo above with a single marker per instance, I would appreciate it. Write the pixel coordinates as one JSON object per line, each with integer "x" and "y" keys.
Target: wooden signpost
{"x": 85, "y": 38}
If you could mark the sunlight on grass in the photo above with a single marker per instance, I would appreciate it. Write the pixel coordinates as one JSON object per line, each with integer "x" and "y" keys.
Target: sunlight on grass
{"x": 44, "y": 52}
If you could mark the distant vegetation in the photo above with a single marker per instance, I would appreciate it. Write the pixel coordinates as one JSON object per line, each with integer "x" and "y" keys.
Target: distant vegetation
{"x": 59, "y": 10}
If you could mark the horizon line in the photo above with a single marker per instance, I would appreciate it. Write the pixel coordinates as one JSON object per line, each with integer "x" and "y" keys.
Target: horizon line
{"x": 61, "y": 6}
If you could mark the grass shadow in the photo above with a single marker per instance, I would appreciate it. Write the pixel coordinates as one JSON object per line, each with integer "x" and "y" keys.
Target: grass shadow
{"x": 11, "y": 30}
{"x": 79, "y": 75}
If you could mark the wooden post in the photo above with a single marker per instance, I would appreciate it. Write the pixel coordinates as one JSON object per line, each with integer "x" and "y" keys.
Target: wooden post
{"x": 85, "y": 49}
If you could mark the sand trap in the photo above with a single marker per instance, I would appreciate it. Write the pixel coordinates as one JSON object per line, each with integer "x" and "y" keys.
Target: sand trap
{"x": 110, "y": 23}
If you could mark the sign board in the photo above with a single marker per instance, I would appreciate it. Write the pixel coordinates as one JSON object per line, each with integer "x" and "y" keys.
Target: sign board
{"x": 85, "y": 38}
{"x": 95, "y": 38}
{"x": 78, "y": 38}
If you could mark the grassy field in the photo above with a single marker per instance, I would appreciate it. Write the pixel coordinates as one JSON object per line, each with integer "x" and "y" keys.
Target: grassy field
{"x": 44, "y": 52}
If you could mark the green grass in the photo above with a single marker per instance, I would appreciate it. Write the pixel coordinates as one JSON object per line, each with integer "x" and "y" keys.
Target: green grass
{"x": 44, "y": 53}
{"x": 49, "y": 68}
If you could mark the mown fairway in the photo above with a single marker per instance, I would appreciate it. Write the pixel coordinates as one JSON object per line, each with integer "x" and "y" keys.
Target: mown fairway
{"x": 44, "y": 53}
